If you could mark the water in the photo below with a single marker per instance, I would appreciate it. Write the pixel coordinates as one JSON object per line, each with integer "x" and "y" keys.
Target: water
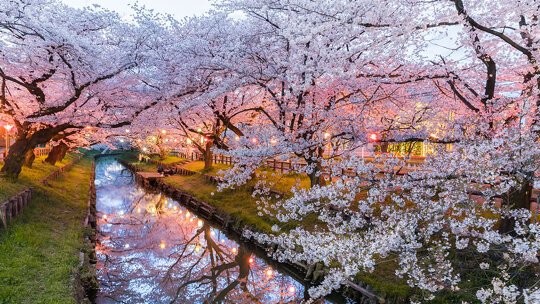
{"x": 152, "y": 249}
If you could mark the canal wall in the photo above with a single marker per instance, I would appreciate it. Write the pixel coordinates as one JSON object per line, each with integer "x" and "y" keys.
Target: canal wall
{"x": 359, "y": 291}
{"x": 86, "y": 282}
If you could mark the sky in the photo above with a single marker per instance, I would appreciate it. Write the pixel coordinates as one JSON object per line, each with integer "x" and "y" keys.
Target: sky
{"x": 177, "y": 8}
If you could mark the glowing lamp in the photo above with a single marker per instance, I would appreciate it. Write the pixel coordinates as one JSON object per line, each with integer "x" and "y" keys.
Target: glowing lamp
{"x": 163, "y": 131}
{"x": 251, "y": 260}
{"x": 292, "y": 289}
{"x": 269, "y": 272}
{"x": 373, "y": 137}
{"x": 200, "y": 223}
{"x": 234, "y": 250}
{"x": 162, "y": 245}
{"x": 326, "y": 135}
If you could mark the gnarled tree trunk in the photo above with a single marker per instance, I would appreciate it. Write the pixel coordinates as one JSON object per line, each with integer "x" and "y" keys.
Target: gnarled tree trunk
{"x": 208, "y": 155}
{"x": 27, "y": 140}
{"x": 519, "y": 197}
{"x": 57, "y": 153}
{"x": 15, "y": 158}
{"x": 29, "y": 158}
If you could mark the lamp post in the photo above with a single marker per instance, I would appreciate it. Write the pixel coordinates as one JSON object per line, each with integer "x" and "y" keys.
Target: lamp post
{"x": 8, "y": 129}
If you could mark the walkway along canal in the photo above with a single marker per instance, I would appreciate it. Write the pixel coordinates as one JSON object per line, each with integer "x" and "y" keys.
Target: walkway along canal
{"x": 151, "y": 249}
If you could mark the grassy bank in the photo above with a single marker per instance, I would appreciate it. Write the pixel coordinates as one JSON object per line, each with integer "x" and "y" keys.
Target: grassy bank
{"x": 39, "y": 250}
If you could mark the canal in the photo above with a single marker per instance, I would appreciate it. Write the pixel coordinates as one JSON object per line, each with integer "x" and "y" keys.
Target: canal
{"x": 151, "y": 249}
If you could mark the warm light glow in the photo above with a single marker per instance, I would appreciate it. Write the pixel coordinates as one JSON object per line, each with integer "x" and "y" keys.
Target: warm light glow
{"x": 139, "y": 210}
{"x": 326, "y": 135}
{"x": 162, "y": 245}
{"x": 269, "y": 272}
{"x": 105, "y": 217}
{"x": 144, "y": 149}
{"x": 234, "y": 250}
{"x": 200, "y": 223}
{"x": 373, "y": 136}
{"x": 292, "y": 289}
{"x": 251, "y": 260}
{"x": 254, "y": 140}
{"x": 273, "y": 141}
{"x": 197, "y": 248}
{"x": 187, "y": 214}
{"x": 188, "y": 141}
{"x": 434, "y": 136}
{"x": 127, "y": 131}
{"x": 237, "y": 138}
{"x": 163, "y": 131}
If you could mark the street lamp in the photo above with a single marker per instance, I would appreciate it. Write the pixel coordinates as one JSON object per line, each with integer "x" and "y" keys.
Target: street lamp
{"x": 8, "y": 129}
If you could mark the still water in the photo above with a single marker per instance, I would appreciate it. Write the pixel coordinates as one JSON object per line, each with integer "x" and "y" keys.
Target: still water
{"x": 152, "y": 249}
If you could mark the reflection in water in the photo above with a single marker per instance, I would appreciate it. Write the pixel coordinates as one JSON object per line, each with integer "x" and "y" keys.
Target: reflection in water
{"x": 153, "y": 250}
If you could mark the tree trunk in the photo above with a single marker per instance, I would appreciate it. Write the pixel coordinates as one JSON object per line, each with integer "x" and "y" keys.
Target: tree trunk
{"x": 315, "y": 177}
{"x": 27, "y": 140}
{"x": 57, "y": 153}
{"x": 208, "y": 156}
{"x": 29, "y": 158}
{"x": 15, "y": 158}
{"x": 519, "y": 197}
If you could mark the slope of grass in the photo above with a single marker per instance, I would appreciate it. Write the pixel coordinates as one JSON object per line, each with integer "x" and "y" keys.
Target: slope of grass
{"x": 39, "y": 250}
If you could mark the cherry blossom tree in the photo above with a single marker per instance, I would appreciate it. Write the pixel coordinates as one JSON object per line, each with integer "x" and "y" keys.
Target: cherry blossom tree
{"x": 62, "y": 69}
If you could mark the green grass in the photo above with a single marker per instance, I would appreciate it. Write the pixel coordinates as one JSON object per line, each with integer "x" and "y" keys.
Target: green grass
{"x": 168, "y": 160}
{"x": 39, "y": 250}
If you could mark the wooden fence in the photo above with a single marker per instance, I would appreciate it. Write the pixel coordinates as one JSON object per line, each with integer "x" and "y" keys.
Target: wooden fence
{"x": 13, "y": 206}
{"x": 58, "y": 172}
